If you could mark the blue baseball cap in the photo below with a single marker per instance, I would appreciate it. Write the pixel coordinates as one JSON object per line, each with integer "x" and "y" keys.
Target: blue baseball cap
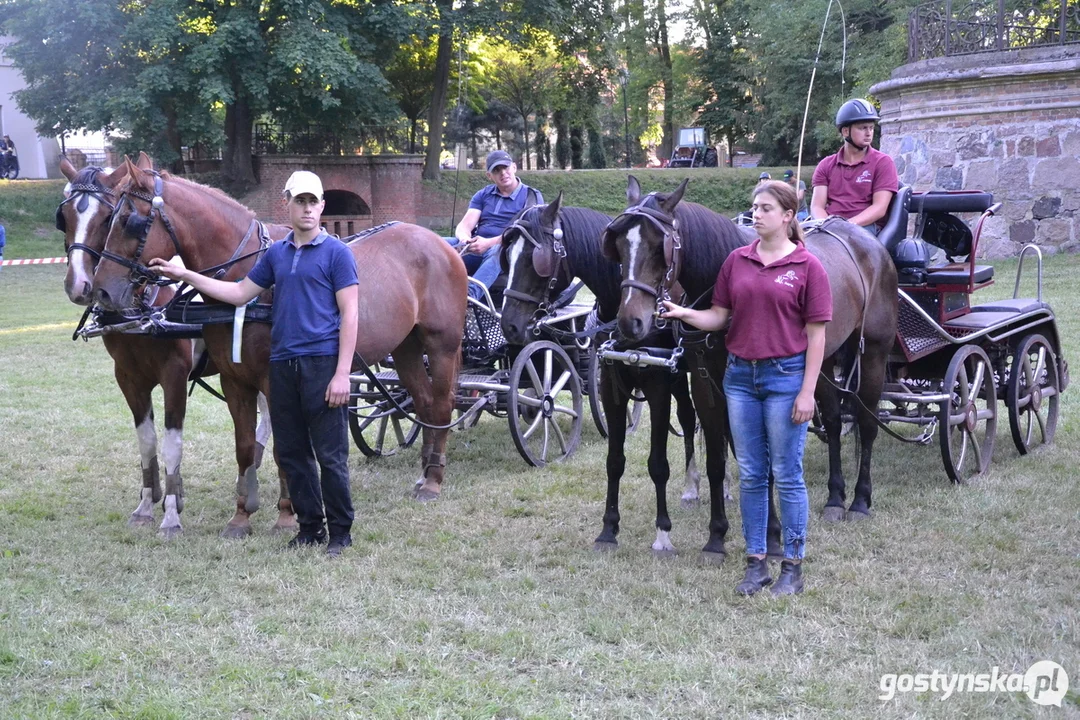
{"x": 498, "y": 158}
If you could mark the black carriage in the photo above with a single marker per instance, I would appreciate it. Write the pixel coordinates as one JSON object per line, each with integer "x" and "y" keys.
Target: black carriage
{"x": 953, "y": 361}
{"x": 538, "y": 388}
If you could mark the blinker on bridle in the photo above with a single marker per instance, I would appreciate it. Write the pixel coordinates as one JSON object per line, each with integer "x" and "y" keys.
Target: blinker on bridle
{"x": 547, "y": 259}
{"x": 138, "y": 226}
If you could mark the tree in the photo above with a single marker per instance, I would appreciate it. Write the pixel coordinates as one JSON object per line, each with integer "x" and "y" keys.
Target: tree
{"x": 411, "y": 77}
{"x": 525, "y": 81}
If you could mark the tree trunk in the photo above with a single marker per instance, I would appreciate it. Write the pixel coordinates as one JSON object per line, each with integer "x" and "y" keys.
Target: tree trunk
{"x": 525, "y": 130}
{"x": 666, "y": 76}
{"x": 437, "y": 111}
{"x": 237, "y": 171}
{"x": 172, "y": 136}
{"x": 412, "y": 135}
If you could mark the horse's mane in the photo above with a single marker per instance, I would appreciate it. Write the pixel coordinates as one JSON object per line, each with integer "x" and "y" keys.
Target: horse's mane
{"x": 584, "y": 229}
{"x": 707, "y": 239}
{"x": 228, "y": 207}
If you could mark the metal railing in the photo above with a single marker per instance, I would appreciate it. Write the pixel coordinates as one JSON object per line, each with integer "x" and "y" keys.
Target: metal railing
{"x": 944, "y": 28}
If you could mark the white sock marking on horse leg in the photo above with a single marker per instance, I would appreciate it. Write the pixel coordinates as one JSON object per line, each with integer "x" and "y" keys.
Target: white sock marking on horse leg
{"x": 145, "y": 510}
{"x": 663, "y": 542}
{"x": 515, "y": 252}
{"x": 172, "y": 449}
{"x": 633, "y": 237}
{"x": 693, "y": 481}
{"x": 170, "y": 524}
{"x": 147, "y": 440}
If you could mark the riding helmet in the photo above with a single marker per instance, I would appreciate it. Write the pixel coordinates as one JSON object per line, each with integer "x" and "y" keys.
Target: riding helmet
{"x": 857, "y": 110}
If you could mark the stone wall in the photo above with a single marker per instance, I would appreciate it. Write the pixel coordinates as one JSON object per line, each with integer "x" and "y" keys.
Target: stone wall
{"x": 1004, "y": 122}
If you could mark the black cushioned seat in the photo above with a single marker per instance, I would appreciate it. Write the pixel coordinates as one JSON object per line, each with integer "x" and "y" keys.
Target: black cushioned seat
{"x": 1018, "y": 305}
{"x": 954, "y": 275}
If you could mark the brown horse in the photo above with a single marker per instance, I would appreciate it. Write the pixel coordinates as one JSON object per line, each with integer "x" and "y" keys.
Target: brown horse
{"x": 412, "y": 303}
{"x": 140, "y": 363}
{"x": 863, "y": 326}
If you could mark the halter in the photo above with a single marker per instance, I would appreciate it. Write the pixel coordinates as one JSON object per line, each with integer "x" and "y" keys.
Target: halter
{"x": 82, "y": 192}
{"x": 547, "y": 261}
{"x": 138, "y": 226}
{"x": 669, "y": 226}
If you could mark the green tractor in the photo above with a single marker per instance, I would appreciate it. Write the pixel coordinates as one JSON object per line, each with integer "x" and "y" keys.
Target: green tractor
{"x": 693, "y": 150}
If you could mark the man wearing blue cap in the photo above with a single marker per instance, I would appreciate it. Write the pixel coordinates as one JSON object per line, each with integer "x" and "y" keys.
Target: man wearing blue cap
{"x": 490, "y": 212}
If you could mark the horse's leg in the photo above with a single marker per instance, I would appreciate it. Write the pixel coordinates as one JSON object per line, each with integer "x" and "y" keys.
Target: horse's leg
{"x": 657, "y": 393}
{"x": 615, "y": 404}
{"x": 712, "y": 409}
{"x": 286, "y": 522}
{"x": 409, "y": 363}
{"x": 173, "y": 380}
{"x": 872, "y": 382}
{"x": 443, "y": 368}
{"x": 829, "y": 406}
{"x": 137, "y": 395}
{"x": 241, "y": 400}
{"x": 684, "y": 410}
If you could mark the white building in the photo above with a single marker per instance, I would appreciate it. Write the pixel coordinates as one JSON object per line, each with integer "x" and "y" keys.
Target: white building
{"x": 38, "y": 157}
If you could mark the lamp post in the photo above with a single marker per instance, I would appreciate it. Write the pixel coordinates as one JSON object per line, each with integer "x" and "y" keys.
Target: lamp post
{"x": 624, "y": 80}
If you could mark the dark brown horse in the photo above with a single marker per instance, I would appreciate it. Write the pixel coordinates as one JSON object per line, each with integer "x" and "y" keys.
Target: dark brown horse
{"x": 544, "y": 249}
{"x": 140, "y": 363}
{"x": 864, "y": 290}
{"x": 412, "y": 302}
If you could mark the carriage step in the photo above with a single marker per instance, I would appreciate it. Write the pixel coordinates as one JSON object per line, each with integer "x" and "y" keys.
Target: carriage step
{"x": 1014, "y": 305}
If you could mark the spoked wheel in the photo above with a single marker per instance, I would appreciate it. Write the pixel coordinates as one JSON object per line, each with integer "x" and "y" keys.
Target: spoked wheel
{"x": 544, "y": 403}
{"x": 633, "y": 417}
{"x": 381, "y": 434}
{"x": 1033, "y": 393}
{"x": 968, "y": 423}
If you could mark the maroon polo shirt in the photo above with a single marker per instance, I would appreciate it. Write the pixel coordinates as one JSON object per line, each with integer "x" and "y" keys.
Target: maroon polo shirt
{"x": 771, "y": 304}
{"x": 852, "y": 187}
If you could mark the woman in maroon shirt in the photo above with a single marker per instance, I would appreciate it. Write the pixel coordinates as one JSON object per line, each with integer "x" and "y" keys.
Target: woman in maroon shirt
{"x": 776, "y": 295}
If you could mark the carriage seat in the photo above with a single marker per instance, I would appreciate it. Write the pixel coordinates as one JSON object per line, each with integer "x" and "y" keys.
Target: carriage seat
{"x": 896, "y": 219}
{"x": 1020, "y": 306}
{"x": 957, "y": 274}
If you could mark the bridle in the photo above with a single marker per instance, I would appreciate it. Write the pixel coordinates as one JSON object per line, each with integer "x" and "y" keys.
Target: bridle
{"x": 80, "y": 195}
{"x": 669, "y": 226}
{"x": 138, "y": 226}
{"x": 547, "y": 261}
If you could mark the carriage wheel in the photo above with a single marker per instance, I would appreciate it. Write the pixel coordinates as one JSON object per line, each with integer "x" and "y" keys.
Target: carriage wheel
{"x": 633, "y": 418}
{"x": 544, "y": 403}
{"x": 968, "y": 423}
{"x": 1033, "y": 393}
{"x": 380, "y": 436}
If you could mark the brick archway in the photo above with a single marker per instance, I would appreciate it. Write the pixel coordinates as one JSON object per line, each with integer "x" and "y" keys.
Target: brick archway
{"x": 381, "y": 187}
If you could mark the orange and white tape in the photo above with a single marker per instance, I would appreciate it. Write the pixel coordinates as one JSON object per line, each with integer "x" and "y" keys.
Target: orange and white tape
{"x": 34, "y": 261}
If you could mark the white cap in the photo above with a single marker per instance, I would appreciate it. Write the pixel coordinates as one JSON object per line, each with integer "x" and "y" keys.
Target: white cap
{"x": 304, "y": 182}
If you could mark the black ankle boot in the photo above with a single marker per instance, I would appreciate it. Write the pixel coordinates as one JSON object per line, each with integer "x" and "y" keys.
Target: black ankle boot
{"x": 756, "y": 578}
{"x": 790, "y": 581}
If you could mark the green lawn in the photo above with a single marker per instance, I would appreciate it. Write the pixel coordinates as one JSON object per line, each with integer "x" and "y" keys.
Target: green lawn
{"x": 490, "y": 603}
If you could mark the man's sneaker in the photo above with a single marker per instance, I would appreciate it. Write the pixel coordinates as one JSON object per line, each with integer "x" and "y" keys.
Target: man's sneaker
{"x": 756, "y": 578}
{"x": 304, "y": 539}
{"x": 338, "y": 544}
{"x": 790, "y": 581}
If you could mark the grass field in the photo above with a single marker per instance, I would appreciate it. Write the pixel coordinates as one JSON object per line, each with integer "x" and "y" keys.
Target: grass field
{"x": 491, "y": 603}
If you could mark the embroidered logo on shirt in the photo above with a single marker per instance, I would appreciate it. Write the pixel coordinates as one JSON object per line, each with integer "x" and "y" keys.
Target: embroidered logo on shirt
{"x": 787, "y": 278}
{"x": 865, "y": 177}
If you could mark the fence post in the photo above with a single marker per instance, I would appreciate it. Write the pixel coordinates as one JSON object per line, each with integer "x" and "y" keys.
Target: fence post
{"x": 948, "y": 28}
{"x": 1061, "y": 24}
{"x": 1000, "y": 43}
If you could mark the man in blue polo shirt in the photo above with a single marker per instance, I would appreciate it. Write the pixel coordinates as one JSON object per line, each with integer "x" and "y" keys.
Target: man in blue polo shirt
{"x": 489, "y": 213}
{"x": 311, "y": 350}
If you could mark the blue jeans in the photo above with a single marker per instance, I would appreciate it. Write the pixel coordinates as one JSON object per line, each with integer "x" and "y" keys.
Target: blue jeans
{"x": 872, "y": 228}
{"x": 760, "y": 395}
{"x": 485, "y": 268}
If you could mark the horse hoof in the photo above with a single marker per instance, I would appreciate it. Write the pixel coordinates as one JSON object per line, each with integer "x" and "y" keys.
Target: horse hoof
{"x": 689, "y": 503}
{"x": 716, "y": 559}
{"x": 605, "y": 547}
{"x": 857, "y": 515}
{"x": 664, "y": 553}
{"x": 424, "y": 495}
{"x": 138, "y": 521}
{"x": 170, "y": 532}
{"x": 236, "y": 532}
{"x": 832, "y": 514}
